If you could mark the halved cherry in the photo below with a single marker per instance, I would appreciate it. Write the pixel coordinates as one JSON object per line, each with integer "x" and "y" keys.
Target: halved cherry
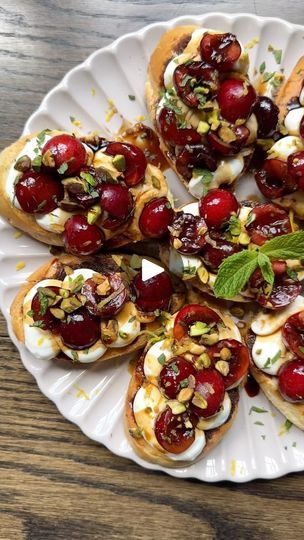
{"x": 194, "y": 74}
{"x": 266, "y": 221}
{"x": 170, "y": 131}
{"x": 41, "y": 310}
{"x": 190, "y": 231}
{"x": 293, "y": 334}
{"x": 80, "y": 191}
{"x": 81, "y": 238}
{"x": 135, "y": 159}
{"x": 236, "y": 98}
{"x": 215, "y": 252}
{"x": 109, "y": 304}
{"x": 241, "y": 134}
{"x": 220, "y": 50}
{"x": 156, "y": 217}
{"x": 117, "y": 200}
{"x": 267, "y": 115}
{"x": 295, "y": 164}
{"x": 154, "y": 293}
{"x": 191, "y": 314}
{"x": 80, "y": 330}
{"x": 238, "y": 360}
{"x": 38, "y": 192}
{"x": 291, "y": 381}
{"x": 172, "y": 431}
{"x": 217, "y": 206}
{"x": 195, "y": 155}
{"x": 209, "y": 393}
{"x": 273, "y": 179}
{"x": 65, "y": 154}
{"x": 173, "y": 374}
{"x": 283, "y": 292}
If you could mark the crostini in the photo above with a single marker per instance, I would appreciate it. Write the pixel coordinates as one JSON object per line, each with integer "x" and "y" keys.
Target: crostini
{"x": 202, "y": 105}
{"x": 205, "y": 234}
{"x": 83, "y": 193}
{"x": 276, "y": 342}
{"x": 86, "y": 309}
{"x": 184, "y": 392}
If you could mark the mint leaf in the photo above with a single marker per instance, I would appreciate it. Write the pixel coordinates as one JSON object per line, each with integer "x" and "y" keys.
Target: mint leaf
{"x": 266, "y": 268}
{"x": 277, "y": 53}
{"x": 262, "y": 67}
{"x": 288, "y": 246}
{"x": 234, "y": 272}
{"x": 257, "y": 410}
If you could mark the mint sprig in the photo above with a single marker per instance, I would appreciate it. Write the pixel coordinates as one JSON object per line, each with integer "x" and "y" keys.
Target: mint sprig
{"x": 235, "y": 271}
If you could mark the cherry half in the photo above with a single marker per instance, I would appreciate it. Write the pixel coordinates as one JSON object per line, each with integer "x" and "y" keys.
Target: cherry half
{"x": 238, "y": 361}
{"x": 213, "y": 254}
{"x": 173, "y": 373}
{"x": 191, "y": 314}
{"x": 170, "y": 131}
{"x": 273, "y": 179}
{"x": 195, "y": 156}
{"x": 267, "y": 115}
{"x": 220, "y": 50}
{"x": 209, "y": 385}
{"x": 38, "y": 192}
{"x": 136, "y": 162}
{"x": 64, "y": 153}
{"x": 217, "y": 207}
{"x": 293, "y": 334}
{"x": 113, "y": 306}
{"x": 266, "y": 221}
{"x": 81, "y": 238}
{"x": 190, "y": 231}
{"x": 80, "y": 330}
{"x": 285, "y": 289}
{"x": 41, "y": 312}
{"x": 117, "y": 201}
{"x": 156, "y": 217}
{"x": 236, "y": 98}
{"x": 171, "y": 431}
{"x": 188, "y": 76}
{"x": 291, "y": 381}
{"x": 154, "y": 293}
{"x": 295, "y": 165}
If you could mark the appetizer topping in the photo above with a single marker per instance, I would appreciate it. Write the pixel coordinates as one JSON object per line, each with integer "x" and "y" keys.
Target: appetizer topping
{"x": 293, "y": 334}
{"x": 216, "y": 251}
{"x": 156, "y": 217}
{"x": 217, "y": 207}
{"x": 281, "y": 292}
{"x": 274, "y": 180}
{"x": 187, "y": 319}
{"x": 187, "y": 233}
{"x": 38, "y": 192}
{"x": 80, "y": 330}
{"x": 41, "y": 307}
{"x": 236, "y": 98}
{"x": 131, "y": 160}
{"x": 64, "y": 153}
{"x": 266, "y": 221}
{"x": 267, "y": 115}
{"x": 105, "y": 300}
{"x": 235, "y": 357}
{"x": 174, "y": 378}
{"x": 291, "y": 381}
{"x": 209, "y": 393}
{"x": 154, "y": 293}
{"x": 174, "y": 432}
{"x": 172, "y": 133}
{"x": 81, "y": 238}
{"x": 195, "y": 156}
{"x": 195, "y": 82}
{"x": 220, "y": 50}
{"x": 117, "y": 201}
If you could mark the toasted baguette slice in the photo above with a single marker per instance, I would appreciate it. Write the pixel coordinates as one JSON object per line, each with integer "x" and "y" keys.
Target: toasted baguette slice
{"x": 126, "y": 233}
{"x": 102, "y": 263}
{"x": 269, "y": 385}
{"x": 291, "y": 88}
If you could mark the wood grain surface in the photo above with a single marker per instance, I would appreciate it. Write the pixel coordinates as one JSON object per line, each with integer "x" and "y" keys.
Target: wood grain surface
{"x": 55, "y": 483}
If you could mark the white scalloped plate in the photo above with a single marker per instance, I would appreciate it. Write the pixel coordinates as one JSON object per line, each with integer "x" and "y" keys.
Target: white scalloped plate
{"x": 93, "y": 397}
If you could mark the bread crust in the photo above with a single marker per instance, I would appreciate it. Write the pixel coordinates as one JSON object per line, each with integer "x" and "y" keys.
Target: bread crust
{"x": 150, "y": 453}
{"x": 50, "y": 271}
{"x": 290, "y": 89}
{"x": 125, "y": 234}
{"x": 269, "y": 385}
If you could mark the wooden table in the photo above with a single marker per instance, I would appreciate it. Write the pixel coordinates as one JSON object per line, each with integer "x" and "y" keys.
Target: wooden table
{"x": 55, "y": 483}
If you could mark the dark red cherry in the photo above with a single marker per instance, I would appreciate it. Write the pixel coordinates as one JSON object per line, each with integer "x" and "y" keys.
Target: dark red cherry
{"x": 80, "y": 330}
{"x": 80, "y": 191}
{"x": 81, "y": 238}
{"x": 170, "y": 131}
{"x": 173, "y": 432}
{"x": 236, "y": 98}
{"x": 295, "y": 164}
{"x": 238, "y": 361}
{"x": 291, "y": 381}
{"x": 213, "y": 254}
{"x": 154, "y": 293}
{"x": 117, "y": 201}
{"x": 266, "y": 221}
{"x": 190, "y": 231}
{"x": 284, "y": 291}
{"x": 173, "y": 374}
{"x": 293, "y": 334}
{"x": 156, "y": 217}
{"x": 273, "y": 179}
{"x": 220, "y": 50}
{"x": 109, "y": 304}
{"x": 267, "y": 115}
{"x": 41, "y": 310}
{"x": 135, "y": 159}
{"x": 217, "y": 207}
{"x": 195, "y": 156}
{"x": 241, "y": 134}
{"x": 191, "y": 314}
{"x": 38, "y": 193}
{"x": 209, "y": 393}
{"x": 64, "y": 153}
{"x": 195, "y": 75}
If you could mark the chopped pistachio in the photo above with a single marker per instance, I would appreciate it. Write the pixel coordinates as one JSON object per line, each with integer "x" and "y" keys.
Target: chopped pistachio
{"x": 119, "y": 162}
{"x": 155, "y": 182}
{"x": 199, "y": 401}
{"x": 104, "y": 287}
{"x": 203, "y": 361}
{"x": 23, "y": 164}
{"x": 203, "y": 127}
{"x": 94, "y": 213}
{"x": 46, "y": 291}
{"x": 136, "y": 433}
{"x": 64, "y": 293}
{"x": 203, "y": 274}
{"x": 237, "y": 311}
{"x": 177, "y": 243}
{"x": 194, "y": 348}
{"x": 58, "y": 313}
{"x": 244, "y": 239}
{"x": 210, "y": 339}
{"x": 225, "y": 353}
{"x": 176, "y": 407}
{"x": 223, "y": 367}
{"x": 185, "y": 395}
{"x": 70, "y": 304}
{"x": 199, "y": 328}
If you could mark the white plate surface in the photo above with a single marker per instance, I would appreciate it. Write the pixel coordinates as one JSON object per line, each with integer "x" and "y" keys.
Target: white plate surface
{"x": 93, "y": 397}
